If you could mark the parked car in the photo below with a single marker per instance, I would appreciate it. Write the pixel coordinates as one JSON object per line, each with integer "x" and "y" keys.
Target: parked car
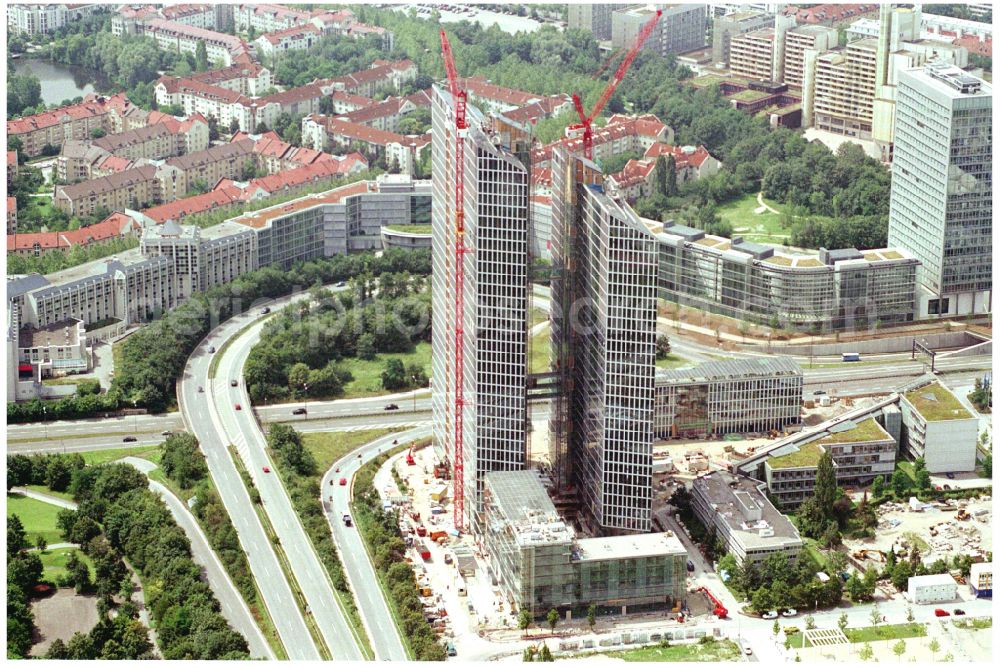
{"x": 339, "y": 284}
{"x": 201, "y": 389}
{"x": 233, "y": 383}
{"x": 949, "y": 475}
{"x": 267, "y": 469}
{"x": 773, "y": 614}
{"x": 211, "y": 349}
{"x": 265, "y": 310}
{"x": 129, "y": 439}
{"x": 238, "y": 407}
{"x": 166, "y": 432}
{"x": 940, "y": 612}
{"x": 451, "y": 649}
{"x": 347, "y": 520}
{"x": 791, "y": 612}
{"x": 336, "y": 470}
{"x": 299, "y": 411}
{"x": 343, "y": 482}
{"x": 690, "y": 566}
{"x": 947, "y": 487}
{"x": 747, "y": 649}
{"x": 958, "y": 612}
{"x": 392, "y": 407}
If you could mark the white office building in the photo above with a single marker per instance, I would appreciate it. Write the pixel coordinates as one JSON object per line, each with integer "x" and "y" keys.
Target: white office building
{"x": 942, "y": 187}
{"x": 924, "y": 589}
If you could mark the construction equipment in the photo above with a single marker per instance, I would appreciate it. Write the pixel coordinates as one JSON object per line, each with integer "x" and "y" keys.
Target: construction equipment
{"x": 409, "y": 457}
{"x": 458, "y": 97}
{"x": 720, "y": 610}
{"x": 585, "y": 120}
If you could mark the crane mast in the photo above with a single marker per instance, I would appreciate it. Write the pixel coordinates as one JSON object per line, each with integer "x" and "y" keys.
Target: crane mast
{"x": 459, "y": 98}
{"x": 609, "y": 90}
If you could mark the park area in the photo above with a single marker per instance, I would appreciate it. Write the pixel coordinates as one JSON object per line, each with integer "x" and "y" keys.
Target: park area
{"x": 763, "y": 227}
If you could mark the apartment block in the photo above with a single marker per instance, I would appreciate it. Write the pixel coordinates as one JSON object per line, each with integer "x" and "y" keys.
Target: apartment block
{"x": 798, "y": 40}
{"x": 131, "y": 189}
{"x": 725, "y": 28}
{"x": 839, "y": 89}
{"x": 745, "y": 521}
{"x": 223, "y": 161}
{"x": 728, "y": 397}
{"x": 681, "y": 28}
{"x": 382, "y": 74}
{"x": 861, "y": 451}
{"x": 45, "y": 17}
{"x": 622, "y": 134}
{"x": 595, "y": 18}
{"x": 540, "y": 563}
{"x": 182, "y": 38}
{"x": 937, "y": 427}
{"x": 603, "y": 248}
{"x": 495, "y": 304}
{"x": 942, "y": 192}
{"x": 75, "y": 121}
{"x": 751, "y": 55}
{"x": 338, "y": 135}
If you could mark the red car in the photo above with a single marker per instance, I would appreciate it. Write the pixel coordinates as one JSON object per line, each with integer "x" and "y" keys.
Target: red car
{"x": 238, "y": 407}
{"x": 938, "y": 612}
{"x": 343, "y": 482}
{"x": 336, "y": 470}
{"x": 267, "y": 469}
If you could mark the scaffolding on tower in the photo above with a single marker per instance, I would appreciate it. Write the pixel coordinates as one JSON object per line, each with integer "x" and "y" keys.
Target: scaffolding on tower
{"x": 459, "y": 97}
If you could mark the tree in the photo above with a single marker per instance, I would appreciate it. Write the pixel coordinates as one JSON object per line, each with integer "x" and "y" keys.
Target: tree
{"x": 923, "y": 478}
{"x": 934, "y": 646}
{"x": 671, "y": 177}
{"x": 900, "y": 483}
{"x": 825, "y": 491}
{"x": 901, "y": 575}
{"x": 875, "y": 616}
{"x": 201, "y": 57}
{"x": 810, "y": 622}
{"x": 41, "y": 544}
{"x": 366, "y": 346}
{"x": 899, "y": 649}
{"x": 842, "y": 622}
{"x": 660, "y": 176}
{"x": 552, "y": 618}
{"x": 761, "y": 600}
{"x": 592, "y": 617}
{"x": 866, "y": 653}
{"x": 394, "y": 374}
{"x": 776, "y": 628}
{"x": 662, "y": 346}
{"x": 878, "y": 487}
{"x": 97, "y": 133}
{"x": 545, "y": 655}
{"x": 524, "y": 621}
{"x": 909, "y": 614}
{"x": 16, "y": 540}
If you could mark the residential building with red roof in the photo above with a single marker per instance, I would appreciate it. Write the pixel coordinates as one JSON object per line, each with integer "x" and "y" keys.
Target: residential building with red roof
{"x": 75, "y": 121}
{"x": 183, "y": 38}
{"x": 249, "y": 79}
{"x": 12, "y": 167}
{"x": 382, "y": 74}
{"x": 387, "y": 114}
{"x": 636, "y": 179}
{"x": 222, "y": 196}
{"x": 622, "y": 134}
{"x": 267, "y": 17}
{"x": 294, "y": 38}
{"x": 116, "y": 226}
{"x": 11, "y": 215}
{"x": 336, "y": 134}
{"x": 829, "y": 14}
{"x": 307, "y": 176}
{"x": 116, "y": 192}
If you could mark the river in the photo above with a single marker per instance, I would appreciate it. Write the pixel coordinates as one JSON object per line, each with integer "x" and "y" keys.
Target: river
{"x": 62, "y": 82}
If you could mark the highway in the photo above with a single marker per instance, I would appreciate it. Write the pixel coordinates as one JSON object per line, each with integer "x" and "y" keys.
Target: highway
{"x": 202, "y": 419}
{"x": 357, "y": 564}
{"x": 241, "y": 429}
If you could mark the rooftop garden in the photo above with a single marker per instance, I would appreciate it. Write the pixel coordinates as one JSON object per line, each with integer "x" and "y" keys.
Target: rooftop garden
{"x": 935, "y": 403}
{"x": 806, "y": 456}
{"x": 869, "y": 430}
{"x": 410, "y": 229}
{"x": 749, "y": 95}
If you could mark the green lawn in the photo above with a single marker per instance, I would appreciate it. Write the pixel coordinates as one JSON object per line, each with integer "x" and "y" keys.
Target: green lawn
{"x": 765, "y": 227}
{"x": 539, "y": 351}
{"x": 716, "y": 650}
{"x": 412, "y": 229}
{"x": 869, "y": 634}
{"x": 672, "y": 361}
{"x": 68, "y": 380}
{"x": 54, "y": 562}
{"x": 38, "y": 517}
{"x": 368, "y": 373}
{"x": 95, "y": 457}
{"x": 329, "y": 446}
{"x": 538, "y": 315}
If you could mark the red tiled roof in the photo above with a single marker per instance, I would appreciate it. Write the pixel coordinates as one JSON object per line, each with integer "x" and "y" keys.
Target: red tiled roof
{"x": 388, "y": 107}
{"x": 682, "y": 158}
{"x": 223, "y": 195}
{"x": 91, "y": 106}
{"x": 11, "y": 158}
{"x": 259, "y": 219}
{"x": 618, "y": 126}
{"x": 381, "y": 69}
{"x": 203, "y": 90}
{"x": 975, "y": 45}
{"x": 11, "y": 205}
{"x": 536, "y": 110}
{"x": 109, "y": 228}
{"x": 635, "y": 171}
{"x": 115, "y": 163}
{"x": 194, "y": 32}
{"x": 299, "y": 94}
{"x": 277, "y": 36}
{"x": 351, "y": 99}
{"x": 179, "y": 11}
{"x": 342, "y": 128}
{"x": 480, "y": 87}
{"x": 828, "y": 13}
{"x": 234, "y": 71}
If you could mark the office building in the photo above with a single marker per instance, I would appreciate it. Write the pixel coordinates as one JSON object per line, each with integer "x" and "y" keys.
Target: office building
{"x": 833, "y": 290}
{"x": 728, "y": 397}
{"x": 725, "y": 28}
{"x": 937, "y": 427}
{"x": 926, "y": 589}
{"x": 603, "y": 338}
{"x": 861, "y": 451}
{"x": 744, "y": 520}
{"x": 681, "y": 27}
{"x": 942, "y": 189}
{"x": 495, "y": 303}
{"x": 981, "y": 580}
{"x": 595, "y": 18}
{"x": 540, "y": 563}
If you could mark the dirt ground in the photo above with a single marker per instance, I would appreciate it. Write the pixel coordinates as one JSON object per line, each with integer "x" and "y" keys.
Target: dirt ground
{"x": 954, "y": 536}
{"x": 60, "y": 616}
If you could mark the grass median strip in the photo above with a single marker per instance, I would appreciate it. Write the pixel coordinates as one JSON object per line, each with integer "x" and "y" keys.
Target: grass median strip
{"x": 279, "y": 551}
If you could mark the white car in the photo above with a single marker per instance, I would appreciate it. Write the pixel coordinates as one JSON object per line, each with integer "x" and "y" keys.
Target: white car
{"x": 773, "y": 614}
{"x": 791, "y": 612}
{"x": 746, "y": 649}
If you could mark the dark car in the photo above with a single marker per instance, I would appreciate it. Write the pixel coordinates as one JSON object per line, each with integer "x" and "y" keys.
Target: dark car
{"x": 958, "y": 611}
{"x": 233, "y": 383}
{"x": 299, "y": 411}
{"x": 392, "y": 407}
{"x": 265, "y": 310}
{"x": 690, "y": 566}
{"x": 129, "y": 439}
{"x": 949, "y": 475}
{"x": 201, "y": 389}
{"x": 211, "y": 349}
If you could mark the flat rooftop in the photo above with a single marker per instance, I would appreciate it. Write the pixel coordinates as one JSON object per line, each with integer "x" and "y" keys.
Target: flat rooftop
{"x": 731, "y": 496}
{"x": 807, "y": 456}
{"x": 733, "y": 369}
{"x": 62, "y": 333}
{"x": 627, "y": 547}
{"x": 936, "y": 403}
{"x": 261, "y": 218}
{"x": 866, "y": 430}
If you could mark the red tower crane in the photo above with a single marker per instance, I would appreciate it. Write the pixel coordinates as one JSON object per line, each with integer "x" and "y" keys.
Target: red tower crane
{"x": 585, "y": 120}
{"x": 458, "y": 97}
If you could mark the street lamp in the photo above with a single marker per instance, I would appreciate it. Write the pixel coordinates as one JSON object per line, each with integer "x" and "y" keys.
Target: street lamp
{"x": 413, "y": 377}
{"x": 305, "y": 401}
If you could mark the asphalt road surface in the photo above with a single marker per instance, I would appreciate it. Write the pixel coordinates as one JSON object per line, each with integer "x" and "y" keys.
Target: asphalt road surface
{"x": 336, "y": 501}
